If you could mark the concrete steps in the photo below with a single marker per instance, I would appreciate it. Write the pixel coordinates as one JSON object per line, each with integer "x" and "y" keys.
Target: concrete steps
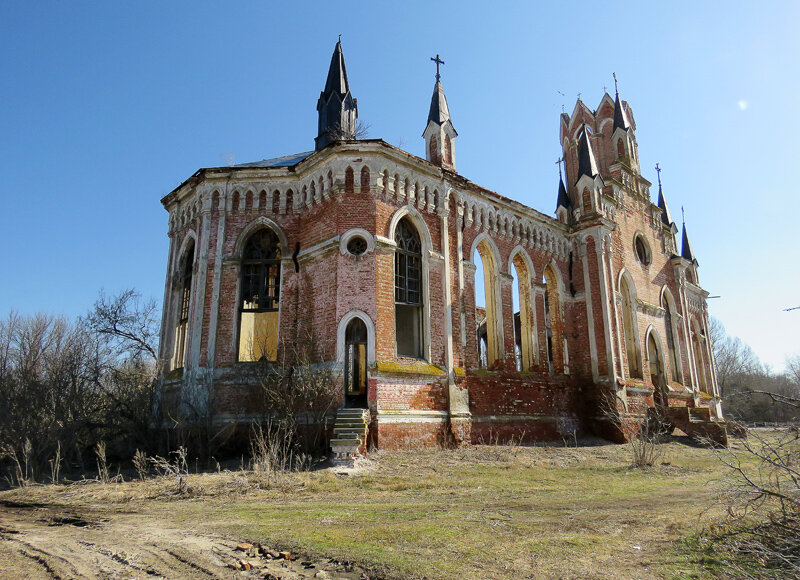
{"x": 349, "y": 435}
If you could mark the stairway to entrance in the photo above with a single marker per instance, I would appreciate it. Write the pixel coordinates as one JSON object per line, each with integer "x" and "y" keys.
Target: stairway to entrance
{"x": 697, "y": 422}
{"x": 349, "y": 435}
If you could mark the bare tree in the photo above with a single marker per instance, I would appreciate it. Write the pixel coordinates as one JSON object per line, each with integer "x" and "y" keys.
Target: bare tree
{"x": 129, "y": 323}
{"x": 298, "y": 393}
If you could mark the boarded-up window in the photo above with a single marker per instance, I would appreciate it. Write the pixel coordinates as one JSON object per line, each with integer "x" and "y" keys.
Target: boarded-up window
{"x": 260, "y": 296}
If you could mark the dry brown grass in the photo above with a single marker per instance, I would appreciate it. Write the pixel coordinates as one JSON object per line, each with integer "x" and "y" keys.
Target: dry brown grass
{"x": 477, "y": 512}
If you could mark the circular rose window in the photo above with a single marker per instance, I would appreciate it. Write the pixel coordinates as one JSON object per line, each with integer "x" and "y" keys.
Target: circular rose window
{"x": 357, "y": 246}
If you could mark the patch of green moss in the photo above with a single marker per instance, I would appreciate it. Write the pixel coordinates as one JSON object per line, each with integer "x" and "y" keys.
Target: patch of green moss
{"x": 420, "y": 368}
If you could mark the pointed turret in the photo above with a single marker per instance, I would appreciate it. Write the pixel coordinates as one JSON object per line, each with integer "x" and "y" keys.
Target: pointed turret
{"x": 439, "y": 113}
{"x": 563, "y": 198}
{"x": 337, "y": 108}
{"x": 620, "y": 116}
{"x": 586, "y": 161}
{"x": 439, "y": 131}
{"x": 666, "y": 217}
{"x": 686, "y": 247}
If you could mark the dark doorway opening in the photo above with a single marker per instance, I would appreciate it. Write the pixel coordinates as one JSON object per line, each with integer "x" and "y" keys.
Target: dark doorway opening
{"x": 355, "y": 365}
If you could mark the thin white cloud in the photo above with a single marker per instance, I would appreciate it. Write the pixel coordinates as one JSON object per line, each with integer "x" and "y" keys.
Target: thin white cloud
{"x": 743, "y": 104}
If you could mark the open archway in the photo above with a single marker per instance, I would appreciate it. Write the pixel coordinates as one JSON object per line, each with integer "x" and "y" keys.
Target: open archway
{"x": 486, "y": 262}
{"x": 657, "y": 373}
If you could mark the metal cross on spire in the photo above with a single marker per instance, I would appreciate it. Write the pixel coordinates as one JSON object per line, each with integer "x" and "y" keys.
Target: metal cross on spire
{"x": 438, "y": 61}
{"x": 558, "y": 162}
{"x": 683, "y": 217}
{"x": 616, "y": 88}
{"x": 658, "y": 170}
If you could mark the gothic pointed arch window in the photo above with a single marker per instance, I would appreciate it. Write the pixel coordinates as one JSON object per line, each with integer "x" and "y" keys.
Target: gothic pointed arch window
{"x": 433, "y": 149}
{"x": 672, "y": 340}
{"x": 698, "y": 344}
{"x": 488, "y": 310}
{"x": 260, "y": 297}
{"x": 408, "y": 296}
{"x": 524, "y": 337}
{"x": 185, "y": 295}
{"x": 629, "y": 331}
{"x": 553, "y": 323}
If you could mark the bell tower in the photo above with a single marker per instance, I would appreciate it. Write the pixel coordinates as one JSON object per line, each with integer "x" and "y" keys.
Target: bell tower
{"x": 439, "y": 133}
{"x": 337, "y": 109}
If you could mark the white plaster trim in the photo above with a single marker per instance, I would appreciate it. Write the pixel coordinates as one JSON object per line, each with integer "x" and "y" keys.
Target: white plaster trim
{"x": 427, "y": 250}
{"x": 587, "y": 281}
{"x": 321, "y": 246}
{"x": 256, "y": 224}
{"x": 342, "y": 329}
{"x": 401, "y": 416}
{"x": 356, "y": 232}
{"x": 510, "y": 418}
{"x": 668, "y": 304}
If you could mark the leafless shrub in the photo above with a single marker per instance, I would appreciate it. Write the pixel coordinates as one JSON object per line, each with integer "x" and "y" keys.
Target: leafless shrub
{"x": 762, "y": 499}
{"x": 298, "y": 394}
{"x": 102, "y": 464}
{"x": 18, "y": 477}
{"x": 274, "y": 453}
{"x": 55, "y": 465}
{"x": 643, "y": 433}
{"x": 174, "y": 472}
{"x": 339, "y": 133}
{"x": 68, "y": 381}
{"x": 140, "y": 464}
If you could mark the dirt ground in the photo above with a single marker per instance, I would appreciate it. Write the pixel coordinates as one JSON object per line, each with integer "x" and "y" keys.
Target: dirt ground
{"x": 479, "y": 512}
{"x": 45, "y": 541}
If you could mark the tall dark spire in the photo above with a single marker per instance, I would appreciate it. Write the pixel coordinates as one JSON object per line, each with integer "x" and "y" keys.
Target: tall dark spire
{"x": 337, "y": 108}
{"x": 686, "y": 247}
{"x": 666, "y": 217}
{"x": 620, "y": 116}
{"x": 563, "y": 198}
{"x": 439, "y": 113}
{"x": 586, "y": 161}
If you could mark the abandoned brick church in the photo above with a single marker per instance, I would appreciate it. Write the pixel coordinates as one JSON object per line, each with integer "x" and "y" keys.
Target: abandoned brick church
{"x": 374, "y": 250}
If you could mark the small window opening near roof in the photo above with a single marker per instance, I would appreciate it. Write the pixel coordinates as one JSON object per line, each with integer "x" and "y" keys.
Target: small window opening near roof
{"x": 357, "y": 246}
{"x": 642, "y": 251}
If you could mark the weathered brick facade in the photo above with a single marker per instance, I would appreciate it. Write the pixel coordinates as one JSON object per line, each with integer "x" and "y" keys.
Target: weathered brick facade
{"x": 626, "y": 318}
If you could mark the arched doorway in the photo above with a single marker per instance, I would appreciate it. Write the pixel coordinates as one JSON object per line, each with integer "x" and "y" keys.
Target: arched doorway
{"x": 355, "y": 364}
{"x": 657, "y": 374}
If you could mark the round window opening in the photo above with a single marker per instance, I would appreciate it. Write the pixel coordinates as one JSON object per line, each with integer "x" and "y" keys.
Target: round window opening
{"x": 641, "y": 250}
{"x": 357, "y": 246}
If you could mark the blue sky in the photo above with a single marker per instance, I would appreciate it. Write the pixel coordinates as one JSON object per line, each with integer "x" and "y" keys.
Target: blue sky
{"x": 105, "y": 107}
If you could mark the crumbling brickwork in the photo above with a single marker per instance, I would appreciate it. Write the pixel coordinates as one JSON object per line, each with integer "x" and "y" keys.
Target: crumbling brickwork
{"x": 615, "y": 312}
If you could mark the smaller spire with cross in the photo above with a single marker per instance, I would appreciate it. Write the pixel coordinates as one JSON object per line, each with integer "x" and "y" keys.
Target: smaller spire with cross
{"x": 438, "y": 61}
